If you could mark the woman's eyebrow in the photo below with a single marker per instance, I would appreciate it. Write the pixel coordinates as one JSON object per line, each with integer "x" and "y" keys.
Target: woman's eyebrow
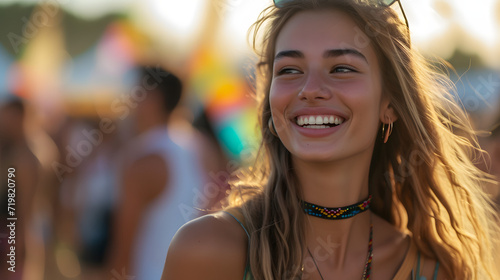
{"x": 289, "y": 53}
{"x": 341, "y": 52}
{"x": 326, "y": 54}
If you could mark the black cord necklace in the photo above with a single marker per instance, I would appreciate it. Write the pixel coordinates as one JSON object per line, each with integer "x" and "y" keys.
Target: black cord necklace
{"x": 336, "y": 213}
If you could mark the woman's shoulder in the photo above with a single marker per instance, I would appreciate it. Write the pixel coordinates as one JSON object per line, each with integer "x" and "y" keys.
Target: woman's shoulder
{"x": 210, "y": 247}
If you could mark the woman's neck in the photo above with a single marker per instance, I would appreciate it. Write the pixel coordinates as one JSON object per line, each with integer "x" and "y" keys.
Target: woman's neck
{"x": 333, "y": 184}
{"x": 338, "y": 242}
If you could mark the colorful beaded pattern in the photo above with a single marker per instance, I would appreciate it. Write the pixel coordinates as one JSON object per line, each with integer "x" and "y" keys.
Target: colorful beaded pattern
{"x": 337, "y": 212}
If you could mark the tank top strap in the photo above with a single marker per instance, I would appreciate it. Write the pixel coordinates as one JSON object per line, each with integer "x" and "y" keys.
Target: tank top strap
{"x": 436, "y": 269}
{"x": 434, "y": 277}
{"x": 405, "y": 270}
{"x": 238, "y": 216}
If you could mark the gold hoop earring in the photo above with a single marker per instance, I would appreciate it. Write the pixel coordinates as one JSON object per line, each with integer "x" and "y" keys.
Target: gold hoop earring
{"x": 388, "y": 132}
{"x": 270, "y": 124}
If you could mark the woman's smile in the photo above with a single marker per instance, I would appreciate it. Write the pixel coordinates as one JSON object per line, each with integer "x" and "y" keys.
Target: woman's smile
{"x": 317, "y": 121}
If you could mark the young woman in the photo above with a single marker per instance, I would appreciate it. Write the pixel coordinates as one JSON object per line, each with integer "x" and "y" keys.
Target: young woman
{"x": 362, "y": 176}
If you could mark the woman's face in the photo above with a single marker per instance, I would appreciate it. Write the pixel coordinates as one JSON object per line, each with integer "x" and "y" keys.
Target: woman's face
{"x": 326, "y": 94}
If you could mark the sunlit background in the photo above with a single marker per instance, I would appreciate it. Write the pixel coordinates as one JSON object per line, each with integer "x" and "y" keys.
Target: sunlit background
{"x": 73, "y": 58}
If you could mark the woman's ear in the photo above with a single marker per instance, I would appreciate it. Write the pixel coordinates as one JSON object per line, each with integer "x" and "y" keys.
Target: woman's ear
{"x": 387, "y": 113}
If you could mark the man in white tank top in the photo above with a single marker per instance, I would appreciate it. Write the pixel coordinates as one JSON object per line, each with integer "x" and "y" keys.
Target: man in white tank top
{"x": 159, "y": 181}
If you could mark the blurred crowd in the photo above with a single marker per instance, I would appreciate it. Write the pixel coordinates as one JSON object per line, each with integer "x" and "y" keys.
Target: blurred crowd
{"x": 104, "y": 197}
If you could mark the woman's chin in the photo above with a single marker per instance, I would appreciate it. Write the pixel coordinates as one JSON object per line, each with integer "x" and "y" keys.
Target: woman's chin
{"x": 318, "y": 156}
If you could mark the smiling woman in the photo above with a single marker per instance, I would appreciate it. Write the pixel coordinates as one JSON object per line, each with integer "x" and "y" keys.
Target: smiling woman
{"x": 353, "y": 119}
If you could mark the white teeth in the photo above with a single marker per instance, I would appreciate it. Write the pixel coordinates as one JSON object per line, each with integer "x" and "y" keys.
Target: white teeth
{"x": 300, "y": 121}
{"x": 316, "y": 126}
{"x": 318, "y": 121}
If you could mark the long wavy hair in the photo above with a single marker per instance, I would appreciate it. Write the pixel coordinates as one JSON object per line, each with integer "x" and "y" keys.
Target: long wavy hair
{"x": 422, "y": 180}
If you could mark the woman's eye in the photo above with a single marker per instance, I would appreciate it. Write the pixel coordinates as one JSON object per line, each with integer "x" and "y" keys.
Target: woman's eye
{"x": 288, "y": 71}
{"x": 342, "y": 69}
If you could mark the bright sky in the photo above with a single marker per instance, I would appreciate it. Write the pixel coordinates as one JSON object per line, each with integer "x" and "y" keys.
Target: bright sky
{"x": 436, "y": 25}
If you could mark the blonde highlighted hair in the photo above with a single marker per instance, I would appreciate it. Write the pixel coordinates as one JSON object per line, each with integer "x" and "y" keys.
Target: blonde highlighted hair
{"x": 422, "y": 180}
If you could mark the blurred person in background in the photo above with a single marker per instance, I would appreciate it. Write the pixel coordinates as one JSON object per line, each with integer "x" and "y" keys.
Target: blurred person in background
{"x": 493, "y": 148}
{"x": 160, "y": 178}
{"x": 216, "y": 165}
{"x": 16, "y": 153}
{"x": 62, "y": 235}
{"x": 487, "y": 122}
{"x": 88, "y": 195}
{"x": 495, "y": 153}
{"x": 491, "y": 144}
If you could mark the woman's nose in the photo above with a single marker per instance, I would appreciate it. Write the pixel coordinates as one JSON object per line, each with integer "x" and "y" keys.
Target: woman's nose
{"x": 314, "y": 88}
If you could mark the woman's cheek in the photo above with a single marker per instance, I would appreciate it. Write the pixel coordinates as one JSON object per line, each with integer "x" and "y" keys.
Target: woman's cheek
{"x": 280, "y": 98}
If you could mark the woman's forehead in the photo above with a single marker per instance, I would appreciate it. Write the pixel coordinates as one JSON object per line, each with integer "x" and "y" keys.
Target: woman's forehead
{"x": 320, "y": 30}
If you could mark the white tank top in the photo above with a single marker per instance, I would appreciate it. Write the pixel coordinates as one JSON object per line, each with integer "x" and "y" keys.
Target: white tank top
{"x": 172, "y": 208}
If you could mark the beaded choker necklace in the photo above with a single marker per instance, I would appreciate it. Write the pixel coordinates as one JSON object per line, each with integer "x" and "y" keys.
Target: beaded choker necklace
{"x": 336, "y": 213}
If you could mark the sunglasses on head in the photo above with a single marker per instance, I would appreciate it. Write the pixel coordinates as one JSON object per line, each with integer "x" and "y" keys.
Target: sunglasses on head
{"x": 386, "y": 3}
